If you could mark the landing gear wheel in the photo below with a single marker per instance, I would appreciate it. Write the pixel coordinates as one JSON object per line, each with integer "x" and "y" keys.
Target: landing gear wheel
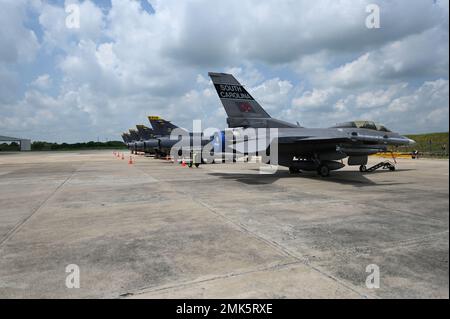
{"x": 197, "y": 165}
{"x": 363, "y": 168}
{"x": 392, "y": 168}
{"x": 323, "y": 170}
{"x": 293, "y": 170}
{"x": 190, "y": 165}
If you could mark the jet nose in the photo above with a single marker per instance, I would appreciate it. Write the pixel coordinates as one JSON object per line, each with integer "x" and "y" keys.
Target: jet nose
{"x": 411, "y": 142}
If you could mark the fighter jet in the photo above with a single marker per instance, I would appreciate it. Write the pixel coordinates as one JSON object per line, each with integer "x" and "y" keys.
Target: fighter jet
{"x": 164, "y": 142}
{"x": 127, "y": 139}
{"x": 160, "y": 143}
{"x": 145, "y": 134}
{"x": 135, "y": 139}
{"x": 151, "y": 141}
{"x": 300, "y": 148}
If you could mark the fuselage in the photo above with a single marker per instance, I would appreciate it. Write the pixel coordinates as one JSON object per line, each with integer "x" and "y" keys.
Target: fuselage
{"x": 308, "y": 147}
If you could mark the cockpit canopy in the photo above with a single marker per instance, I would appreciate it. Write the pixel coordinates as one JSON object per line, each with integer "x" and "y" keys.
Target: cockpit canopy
{"x": 369, "y": 125}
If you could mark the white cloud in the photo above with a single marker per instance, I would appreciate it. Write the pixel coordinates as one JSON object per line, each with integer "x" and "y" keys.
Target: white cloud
{"x": 313, "y": 99}
{"x": 42, "y": 82}
{"x": 315, "y": 62}
{"x": 9, "y": 84}
{"x": 402, "y": 108}
{"x": 57, "y": 34}
{"x": 379, "y": 98}
{"x": 416, "y": 56}
{"x": 273, "y": 94}
{"x": 17, "y": 43}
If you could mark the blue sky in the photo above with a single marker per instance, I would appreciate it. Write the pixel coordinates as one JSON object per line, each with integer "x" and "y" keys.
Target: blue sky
{"x": 312, "y": 62}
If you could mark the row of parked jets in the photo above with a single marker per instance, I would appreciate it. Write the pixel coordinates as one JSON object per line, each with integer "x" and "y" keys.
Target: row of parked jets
{"x": 296, "y": 147}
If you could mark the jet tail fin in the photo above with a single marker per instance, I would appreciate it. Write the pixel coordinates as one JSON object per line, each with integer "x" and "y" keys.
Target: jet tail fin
{"x": 242, "y": 109}
{"x": 134, "y": 135}
{"x": 144, "y": 132}
{"x": 125, "y": 138}
{"x": 161, "y": 126}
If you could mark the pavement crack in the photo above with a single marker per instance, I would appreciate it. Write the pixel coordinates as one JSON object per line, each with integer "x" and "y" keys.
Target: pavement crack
{"x": 284, "y": 250}
{"x": 213, "y": 278}
{"x": 19, "y": 225}
{"x": 273, "y": 244}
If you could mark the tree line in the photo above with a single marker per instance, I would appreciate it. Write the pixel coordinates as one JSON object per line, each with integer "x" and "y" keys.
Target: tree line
{"x": 48, "y": 146}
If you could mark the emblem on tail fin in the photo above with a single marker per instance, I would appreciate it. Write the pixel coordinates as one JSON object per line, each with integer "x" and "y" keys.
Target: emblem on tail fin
{"x": 245, "y": 107}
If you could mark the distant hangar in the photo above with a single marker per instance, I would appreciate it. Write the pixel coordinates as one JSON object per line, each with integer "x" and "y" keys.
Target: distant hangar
{"x": 25, "y": 144}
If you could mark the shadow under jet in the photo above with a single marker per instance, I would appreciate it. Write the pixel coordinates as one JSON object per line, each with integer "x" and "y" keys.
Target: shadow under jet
{"x": 342, "y": 177}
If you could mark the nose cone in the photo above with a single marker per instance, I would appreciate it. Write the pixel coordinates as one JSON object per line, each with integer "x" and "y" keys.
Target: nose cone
{"x": 411, "y": 142}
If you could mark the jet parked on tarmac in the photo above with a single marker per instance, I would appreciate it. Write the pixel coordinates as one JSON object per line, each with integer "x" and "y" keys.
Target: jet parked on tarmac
{"x": 299, "y": 148}
{"x": 127, "y": 139}
{"x": 151, "y": 141}
{"x": 155, "y": 140}
{"x": 145, "y": 134}
{"x": 134, "y": 140}
{"x": 165, "y": 142}
{"x": 161, "y": 144}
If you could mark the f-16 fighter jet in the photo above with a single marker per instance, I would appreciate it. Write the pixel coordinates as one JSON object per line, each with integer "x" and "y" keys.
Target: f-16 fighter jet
{"x": 145, "y": 133}
{"x": 301, "y": 148}
{"x": 127, "y": 139}
{"x": 135, "y": 138}
{"x": 152, "y": 141}
{"x": 160, "y": 143}
{"x": 163, "y": 143}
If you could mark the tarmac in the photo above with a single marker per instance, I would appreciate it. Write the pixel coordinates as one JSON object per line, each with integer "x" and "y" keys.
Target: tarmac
{"x": 155, "y": 229}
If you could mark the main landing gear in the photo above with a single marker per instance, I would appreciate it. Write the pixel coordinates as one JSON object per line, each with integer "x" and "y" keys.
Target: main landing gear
{"x": 323, "y": 170}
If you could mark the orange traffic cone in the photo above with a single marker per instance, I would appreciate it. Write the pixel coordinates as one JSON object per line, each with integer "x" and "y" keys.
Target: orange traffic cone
{"x": 123, "y": 157}
{"x": 130, "y": 161}
{"x": 183, "y": 163}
